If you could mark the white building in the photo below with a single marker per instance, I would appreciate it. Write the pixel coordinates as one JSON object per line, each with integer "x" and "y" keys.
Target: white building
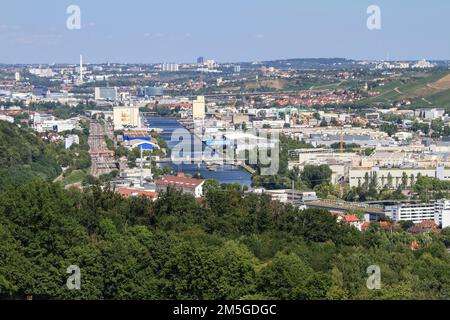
{"x": 423, "y": 64}
{"x": 56, "y": 125}
{"x": 211, "y": 64}
{"x": 411, "y": 212}
{"x": 403, "y": 136}
{"x": 246, "y": 141}
{"x": 47, "y": 73}
{"x": 70, "y": 140}
{"x": 170, "y": 67}
{"x": 289, "y": 195}
{"x": 429, "y": 114}
{"x": 198, "y": 108}
{"x": 47, "y": 123}
{"x": 442, "y": 211}
{"x": 6, "y": 118}
{"x": 439, "y": 212}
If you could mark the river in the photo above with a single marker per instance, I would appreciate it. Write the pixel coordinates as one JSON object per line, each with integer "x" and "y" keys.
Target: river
{"x": 224, "y": 173}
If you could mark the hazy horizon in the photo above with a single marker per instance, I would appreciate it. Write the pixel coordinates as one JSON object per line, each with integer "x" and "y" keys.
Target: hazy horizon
{"x": 222, "y": 62}
{"x": 144, "y": 32}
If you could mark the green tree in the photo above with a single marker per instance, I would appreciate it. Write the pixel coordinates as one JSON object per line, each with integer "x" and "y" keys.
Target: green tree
{"x": 316, "y": 175}
{"x": 287, "y": 277}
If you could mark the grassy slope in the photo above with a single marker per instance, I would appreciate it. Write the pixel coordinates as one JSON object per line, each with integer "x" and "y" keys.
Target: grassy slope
{"x": 410, "y": 89}
{"x": 75, "y": 177}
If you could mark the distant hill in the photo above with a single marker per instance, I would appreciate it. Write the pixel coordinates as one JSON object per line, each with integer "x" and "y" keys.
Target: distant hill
{"x": 315, "y": 63}
{"x": 24, "y": 156}
{"x": 423, "y": 90}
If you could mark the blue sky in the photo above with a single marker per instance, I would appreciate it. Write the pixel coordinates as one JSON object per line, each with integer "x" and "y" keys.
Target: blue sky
{"x": 233, "y": 30}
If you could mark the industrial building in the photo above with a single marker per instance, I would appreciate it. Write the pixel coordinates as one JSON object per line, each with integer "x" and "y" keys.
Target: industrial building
{"x": 393, "y": 178}
{"x": 126, "y": 117}
{"x": 150, "y": 91}
{"x": 108, "y": 93}
{"x": 48, "y": 123}
{"x": 198, "y": 108}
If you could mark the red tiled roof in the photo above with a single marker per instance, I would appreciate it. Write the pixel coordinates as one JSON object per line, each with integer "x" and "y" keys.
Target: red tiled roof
{"x": 349, "y": 218}
{"x": 427, "y": 224}
{"x": 424, "y": 226}
{"x": 179, "y": 181}
{"x": 127, "y": 192}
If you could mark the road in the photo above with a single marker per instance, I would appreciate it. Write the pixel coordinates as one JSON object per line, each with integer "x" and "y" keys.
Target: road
{"x": 398, "y": 90}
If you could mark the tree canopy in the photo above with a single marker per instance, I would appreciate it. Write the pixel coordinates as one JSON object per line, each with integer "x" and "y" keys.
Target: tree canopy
{"x": 231, "y": 245}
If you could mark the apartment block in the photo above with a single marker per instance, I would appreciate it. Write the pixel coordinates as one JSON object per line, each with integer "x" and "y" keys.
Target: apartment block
{"x": 439, "y": 212}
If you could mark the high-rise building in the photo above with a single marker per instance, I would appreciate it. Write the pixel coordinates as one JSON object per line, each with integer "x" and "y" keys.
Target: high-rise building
{"x": 17, "y": 76}
{"x": 200, "y": 60}
{"x": 198, "y": 108}
{"x": 108, "y": 93}
{"x": 237, "y": 69}
{"x": 170, "y": 67}
{"x": 211, "y": 64}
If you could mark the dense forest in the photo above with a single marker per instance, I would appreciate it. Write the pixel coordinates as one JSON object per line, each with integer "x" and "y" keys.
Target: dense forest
{"x": 231, "y": 245}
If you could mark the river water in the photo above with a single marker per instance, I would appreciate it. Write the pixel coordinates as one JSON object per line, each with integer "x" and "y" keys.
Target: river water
{"x": 224, "y": 173}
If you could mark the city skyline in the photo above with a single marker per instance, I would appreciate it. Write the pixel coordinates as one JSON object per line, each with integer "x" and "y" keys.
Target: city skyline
{"x": 175, "y": 31}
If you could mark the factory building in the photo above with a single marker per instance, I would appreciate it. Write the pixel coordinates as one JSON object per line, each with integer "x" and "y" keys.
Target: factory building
{"x": 126, "y": 117}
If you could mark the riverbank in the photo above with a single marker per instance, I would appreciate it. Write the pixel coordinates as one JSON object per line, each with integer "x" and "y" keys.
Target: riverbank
{"x": 221, "y": 173}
